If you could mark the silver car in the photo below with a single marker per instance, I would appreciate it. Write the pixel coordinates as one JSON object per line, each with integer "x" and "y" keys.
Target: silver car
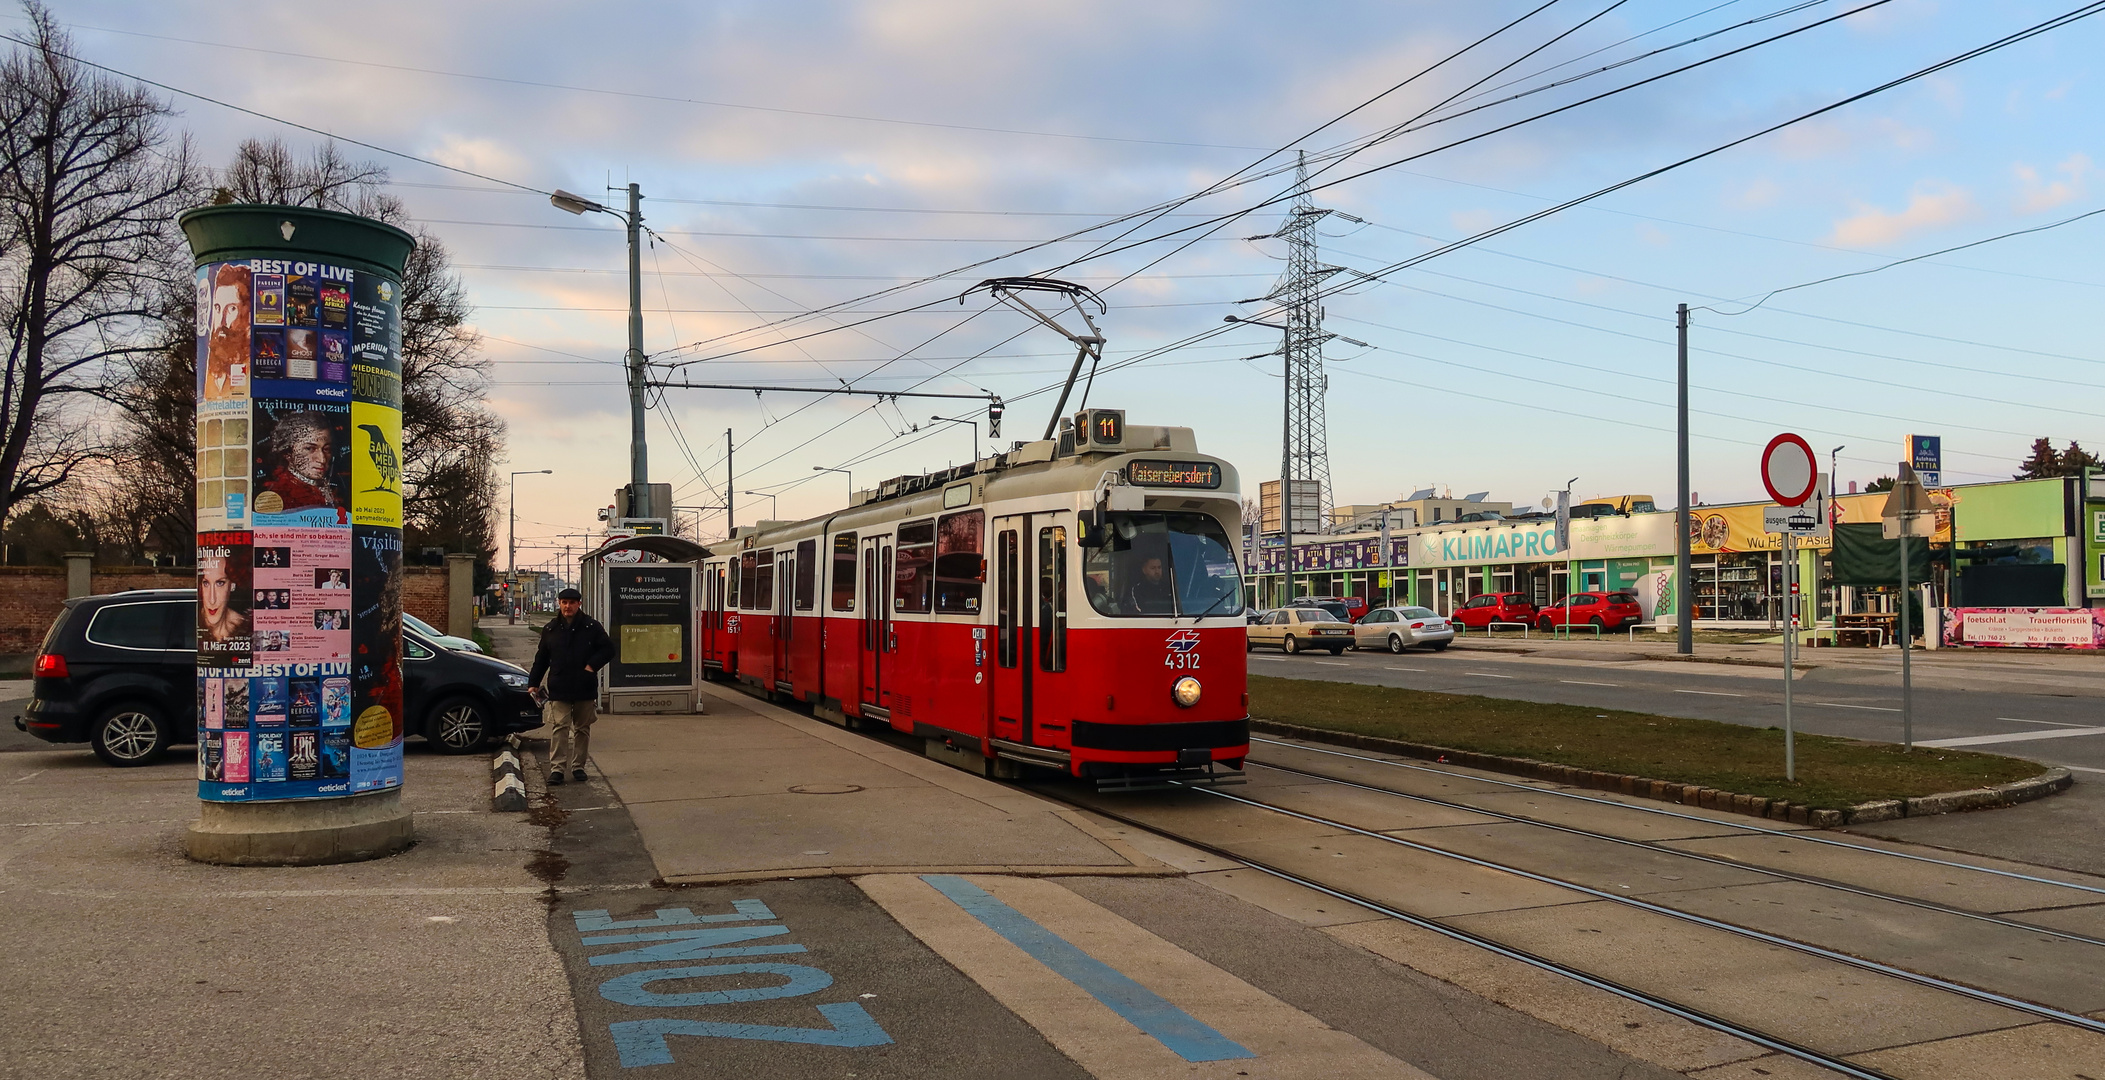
{"x": 1399, "y": 628}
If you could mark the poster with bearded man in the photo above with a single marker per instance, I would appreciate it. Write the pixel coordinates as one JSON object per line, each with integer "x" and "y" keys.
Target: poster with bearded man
{"x": 303, "y": 463}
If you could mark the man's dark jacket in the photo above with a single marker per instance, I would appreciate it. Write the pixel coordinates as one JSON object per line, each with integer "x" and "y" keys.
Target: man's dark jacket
{"x": 568, "y": 646}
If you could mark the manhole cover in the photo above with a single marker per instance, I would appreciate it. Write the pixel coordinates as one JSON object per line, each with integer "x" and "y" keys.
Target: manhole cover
{"x": 826, "y": 789}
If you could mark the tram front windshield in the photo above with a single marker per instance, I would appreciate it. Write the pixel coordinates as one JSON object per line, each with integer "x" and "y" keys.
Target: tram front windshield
{"x": 1163, "y": 564}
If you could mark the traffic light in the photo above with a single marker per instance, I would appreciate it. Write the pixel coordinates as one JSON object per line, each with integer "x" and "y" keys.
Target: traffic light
{"x": 994, "y": 419}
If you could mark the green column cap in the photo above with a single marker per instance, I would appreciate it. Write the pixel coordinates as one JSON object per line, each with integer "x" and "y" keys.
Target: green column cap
{"x": 260, "y": 230}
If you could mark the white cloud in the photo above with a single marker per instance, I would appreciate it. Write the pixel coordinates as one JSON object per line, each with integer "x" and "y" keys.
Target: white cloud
{"x": 2035, "y": 196}
{"x": 1932, "y": 206}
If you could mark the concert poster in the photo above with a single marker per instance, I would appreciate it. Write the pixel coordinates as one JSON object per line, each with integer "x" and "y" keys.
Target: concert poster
{"x": 224, "y": 580}
{"x": 302, "y": 463}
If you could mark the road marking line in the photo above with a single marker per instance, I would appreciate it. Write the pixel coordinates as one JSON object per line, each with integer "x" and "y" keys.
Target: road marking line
{"x": 1709, "y": 693}
{"x": 1840, "y": 705}
{"x": 1487, "y": 675}
{"x": 1333, "y": 663}
{"x": 2015, "y": 736}
{"x": 29, "y": 776}
{"x": 2080, "y": 768}
{"x": 1143, "y": 1008}
{"x": 1285, "y": 1040}
{"x": 1576, "y": 682}
{"x": 1273, "y": 659}
{"x": 1418, "y": 669}
{"x": 2049, "y": 723}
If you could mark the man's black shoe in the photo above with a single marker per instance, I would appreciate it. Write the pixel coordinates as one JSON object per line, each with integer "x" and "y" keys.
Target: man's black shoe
{"x": 578, "y": 775}
{"x": 555, "y": 779}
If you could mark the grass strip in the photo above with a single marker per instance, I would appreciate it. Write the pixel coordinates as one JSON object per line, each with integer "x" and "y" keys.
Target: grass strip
{"x": 1832, "y": 773}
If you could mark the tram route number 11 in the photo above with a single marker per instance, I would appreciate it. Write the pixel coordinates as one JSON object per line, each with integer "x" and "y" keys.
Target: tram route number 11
{"x": 680, "y": 934}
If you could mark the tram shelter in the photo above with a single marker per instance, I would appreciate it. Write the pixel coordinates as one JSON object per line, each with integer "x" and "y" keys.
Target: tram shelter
{"x": 642, "y": 588}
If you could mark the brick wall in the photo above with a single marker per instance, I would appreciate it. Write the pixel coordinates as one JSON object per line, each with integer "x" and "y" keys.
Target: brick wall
{"x": 424, "y": 594}
{"x": 31, "y": 596}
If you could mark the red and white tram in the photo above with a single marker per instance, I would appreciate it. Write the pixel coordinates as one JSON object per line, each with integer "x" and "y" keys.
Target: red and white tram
{"x": 1073, "y": 603}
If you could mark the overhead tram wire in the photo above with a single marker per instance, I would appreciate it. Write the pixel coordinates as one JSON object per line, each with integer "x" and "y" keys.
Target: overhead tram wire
{"x": 2056, "y": 22}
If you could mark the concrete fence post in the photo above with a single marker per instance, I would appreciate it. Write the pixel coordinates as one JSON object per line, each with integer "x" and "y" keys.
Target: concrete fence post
{"x": 80, "y": 574}
{"x": 460, "y": 595}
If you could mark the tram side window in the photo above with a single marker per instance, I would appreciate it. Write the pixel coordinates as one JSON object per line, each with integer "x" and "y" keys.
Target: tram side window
{"x": 844, "y": 572}
{"x": 763, "y": 598}
{"x": 912, "y": 583}
{"x": 961, "y": 569}
{"x": 748, "y": 572}
{"x": 807, "y": 574}
{"x": 1052, "y": 598}
{"x": 1006, "y": 572}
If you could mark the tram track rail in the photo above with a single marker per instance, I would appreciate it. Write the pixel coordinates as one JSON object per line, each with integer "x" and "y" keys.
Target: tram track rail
{"x": 1748, "y": 826}
{"x": 1697, "y": 856}
{"x": 1689, "y": 1013}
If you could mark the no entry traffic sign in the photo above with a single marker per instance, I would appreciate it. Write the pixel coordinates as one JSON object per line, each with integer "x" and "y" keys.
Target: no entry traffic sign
{"x": 1788, "y": 470}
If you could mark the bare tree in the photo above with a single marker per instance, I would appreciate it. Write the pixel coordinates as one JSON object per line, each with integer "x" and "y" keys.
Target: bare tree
{"x": 90, "y": 180}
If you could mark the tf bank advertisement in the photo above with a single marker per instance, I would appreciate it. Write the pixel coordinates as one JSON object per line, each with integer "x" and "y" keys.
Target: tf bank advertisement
{"x": 299, "y": 507}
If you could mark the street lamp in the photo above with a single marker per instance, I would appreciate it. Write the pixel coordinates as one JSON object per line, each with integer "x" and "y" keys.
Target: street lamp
{"x": 511, "y": 532}
{"x": 1286, "y": 455}
{"x": 843, "y": 472}
{"x": 770, "y": 501}
{"x": 639, "y": 457}
{"x": 973, "y": 424}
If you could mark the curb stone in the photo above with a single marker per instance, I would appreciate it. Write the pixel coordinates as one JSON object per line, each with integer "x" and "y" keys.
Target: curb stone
{"x": 2047, "y": 783}
{"x": 508, "y": 783}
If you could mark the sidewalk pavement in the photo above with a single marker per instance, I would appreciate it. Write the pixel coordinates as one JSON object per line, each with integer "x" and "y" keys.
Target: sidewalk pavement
{"x": 127, "y": 960}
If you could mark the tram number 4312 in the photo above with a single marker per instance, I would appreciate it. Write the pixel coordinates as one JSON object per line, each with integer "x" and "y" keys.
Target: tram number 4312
{"x": 676, "y": 934}
{"x": 1181, "y": 650}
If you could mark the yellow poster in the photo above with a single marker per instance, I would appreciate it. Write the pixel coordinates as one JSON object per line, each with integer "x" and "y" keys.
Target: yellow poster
{"x": 376, "y": 465}
{"x": 1715, "y": 530}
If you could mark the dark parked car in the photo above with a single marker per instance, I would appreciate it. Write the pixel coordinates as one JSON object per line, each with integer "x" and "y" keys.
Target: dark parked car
{"x": 119, "y": 672}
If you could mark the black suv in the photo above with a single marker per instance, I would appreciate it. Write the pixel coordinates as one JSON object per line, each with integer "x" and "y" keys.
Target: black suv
{"x": 120, "y": 672}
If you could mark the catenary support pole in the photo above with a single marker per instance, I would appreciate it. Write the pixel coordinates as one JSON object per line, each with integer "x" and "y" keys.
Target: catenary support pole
{"x": 1684, "y": 588}
{"x": 639, "y": 457}
{"x": 730, "y": 489}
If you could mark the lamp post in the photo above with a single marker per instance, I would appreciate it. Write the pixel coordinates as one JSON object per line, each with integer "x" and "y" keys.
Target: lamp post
{"x": 639, "y": 457}
{"x": 511, "y": 533}
{"x": 770, "y": 500}
{"x": 973, "y": 424}
{"x": 1286, "y": 456}
{"x": 843, "y": 472}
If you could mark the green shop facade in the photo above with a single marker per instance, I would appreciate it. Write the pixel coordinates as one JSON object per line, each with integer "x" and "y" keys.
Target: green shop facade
{"x": 2015, "y": 544}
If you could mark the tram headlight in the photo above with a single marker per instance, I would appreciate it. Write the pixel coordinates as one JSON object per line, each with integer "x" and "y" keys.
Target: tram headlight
{"x": 1186, "y": 692}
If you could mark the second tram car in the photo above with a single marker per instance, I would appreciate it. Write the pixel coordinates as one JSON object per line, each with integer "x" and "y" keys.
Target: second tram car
{"x": 1073, "y": 603}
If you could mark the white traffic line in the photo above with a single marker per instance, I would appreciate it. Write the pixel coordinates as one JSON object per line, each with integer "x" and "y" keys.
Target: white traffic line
{"x": 1576, "y": 682}
{"x": 2049, "y": 723}
{"x": 1709, "y": 693}
{"x": 1388, "y": 668}
{"x": 1335, "y": 663}
{"x": 1488, "y": 675}
{"x": 1841, "y": 705}
{"x": 2015, "y": 736}
{"x": 2081, "y": 768}
{"x": 1276, "y": 659}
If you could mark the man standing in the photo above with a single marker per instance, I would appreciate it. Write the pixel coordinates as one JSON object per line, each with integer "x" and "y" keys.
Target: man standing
{"x": 573, "y": 649}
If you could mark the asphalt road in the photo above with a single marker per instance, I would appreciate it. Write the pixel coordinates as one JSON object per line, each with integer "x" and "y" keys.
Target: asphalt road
{"x": 2061, "y": 724}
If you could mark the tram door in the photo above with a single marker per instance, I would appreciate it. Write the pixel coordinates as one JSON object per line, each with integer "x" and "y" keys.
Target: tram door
{"x": 785, "y": 575}
{"x": 876, "y": 640}
{"x": 1031, "y": 572}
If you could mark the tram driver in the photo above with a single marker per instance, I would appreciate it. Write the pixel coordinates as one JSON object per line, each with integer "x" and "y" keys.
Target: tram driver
{"x": 1150, "y": 592}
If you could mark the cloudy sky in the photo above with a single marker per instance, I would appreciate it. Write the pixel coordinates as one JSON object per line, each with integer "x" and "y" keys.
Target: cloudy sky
{"x": 797, "y": 155}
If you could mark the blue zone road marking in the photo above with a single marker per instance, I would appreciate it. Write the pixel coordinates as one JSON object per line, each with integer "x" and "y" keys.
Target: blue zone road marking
{"x": 643, "y": 1042}
{"x": 1141, "y": 1007}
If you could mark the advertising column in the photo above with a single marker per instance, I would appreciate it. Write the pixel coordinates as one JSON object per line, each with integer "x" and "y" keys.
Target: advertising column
{"x": 299, "y": 517}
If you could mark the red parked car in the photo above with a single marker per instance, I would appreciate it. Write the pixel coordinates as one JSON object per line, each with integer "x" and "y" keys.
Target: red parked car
{"x": 1486, "y": 608}
{"x": 1355, "y": 606}
{"x": 1607, "y": 610}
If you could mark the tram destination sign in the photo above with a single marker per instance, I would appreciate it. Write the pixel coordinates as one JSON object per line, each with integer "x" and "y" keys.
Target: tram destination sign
{"x": 1179, "y": 474}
